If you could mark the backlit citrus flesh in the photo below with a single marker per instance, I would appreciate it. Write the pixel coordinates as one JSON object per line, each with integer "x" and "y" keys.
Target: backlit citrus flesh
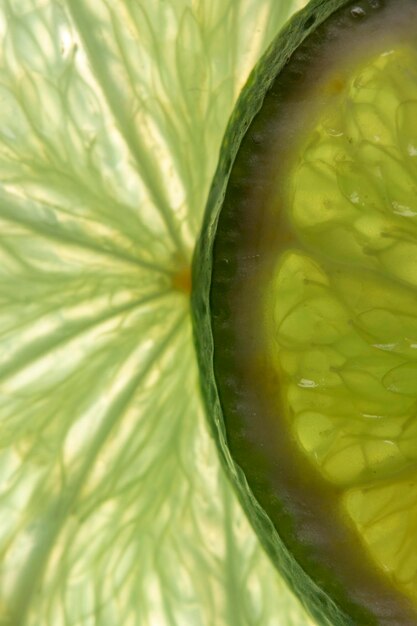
{"x": 343, "y": 306}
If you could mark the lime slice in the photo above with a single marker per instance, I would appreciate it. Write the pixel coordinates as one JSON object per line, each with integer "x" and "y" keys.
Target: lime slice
{"x": 307, "y": 308}
{"x": 114, "y": 509}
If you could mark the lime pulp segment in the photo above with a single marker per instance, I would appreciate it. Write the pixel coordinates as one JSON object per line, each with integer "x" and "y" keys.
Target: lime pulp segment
{"x": 344, "y": 314}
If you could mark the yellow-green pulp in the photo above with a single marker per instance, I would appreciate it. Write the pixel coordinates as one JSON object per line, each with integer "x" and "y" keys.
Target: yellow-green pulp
{"x": 341, "y": 307}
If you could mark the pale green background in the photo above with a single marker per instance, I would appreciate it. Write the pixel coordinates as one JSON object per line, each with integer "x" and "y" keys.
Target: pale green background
{"x": 113, "y": 507}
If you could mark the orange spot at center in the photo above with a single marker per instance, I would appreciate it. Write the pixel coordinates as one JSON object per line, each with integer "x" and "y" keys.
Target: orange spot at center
{"x": 181, "y": 280}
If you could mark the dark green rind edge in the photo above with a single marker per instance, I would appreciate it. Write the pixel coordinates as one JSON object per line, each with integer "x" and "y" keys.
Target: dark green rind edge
{"x": 320, "y": 606}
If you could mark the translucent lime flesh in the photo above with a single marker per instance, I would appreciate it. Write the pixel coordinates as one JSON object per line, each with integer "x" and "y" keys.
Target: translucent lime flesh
{"x": 344, "y": 313}
{"x": 114, "y": 509}
{"x": 314, "y": 298}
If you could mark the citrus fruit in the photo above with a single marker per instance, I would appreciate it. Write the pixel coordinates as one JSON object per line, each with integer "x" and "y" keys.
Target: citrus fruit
{"x": 306, "y": 308}
{"x": 114, "y": 509}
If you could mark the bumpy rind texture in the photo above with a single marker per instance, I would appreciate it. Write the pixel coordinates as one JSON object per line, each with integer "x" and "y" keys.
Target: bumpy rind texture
{"x": 324, "y": 609}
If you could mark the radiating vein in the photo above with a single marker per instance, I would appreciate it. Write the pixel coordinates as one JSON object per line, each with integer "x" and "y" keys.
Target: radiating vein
{"x": 146, "y": 166}
{"x": 11, "y": 210}
{"x": 56, "y": 514}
